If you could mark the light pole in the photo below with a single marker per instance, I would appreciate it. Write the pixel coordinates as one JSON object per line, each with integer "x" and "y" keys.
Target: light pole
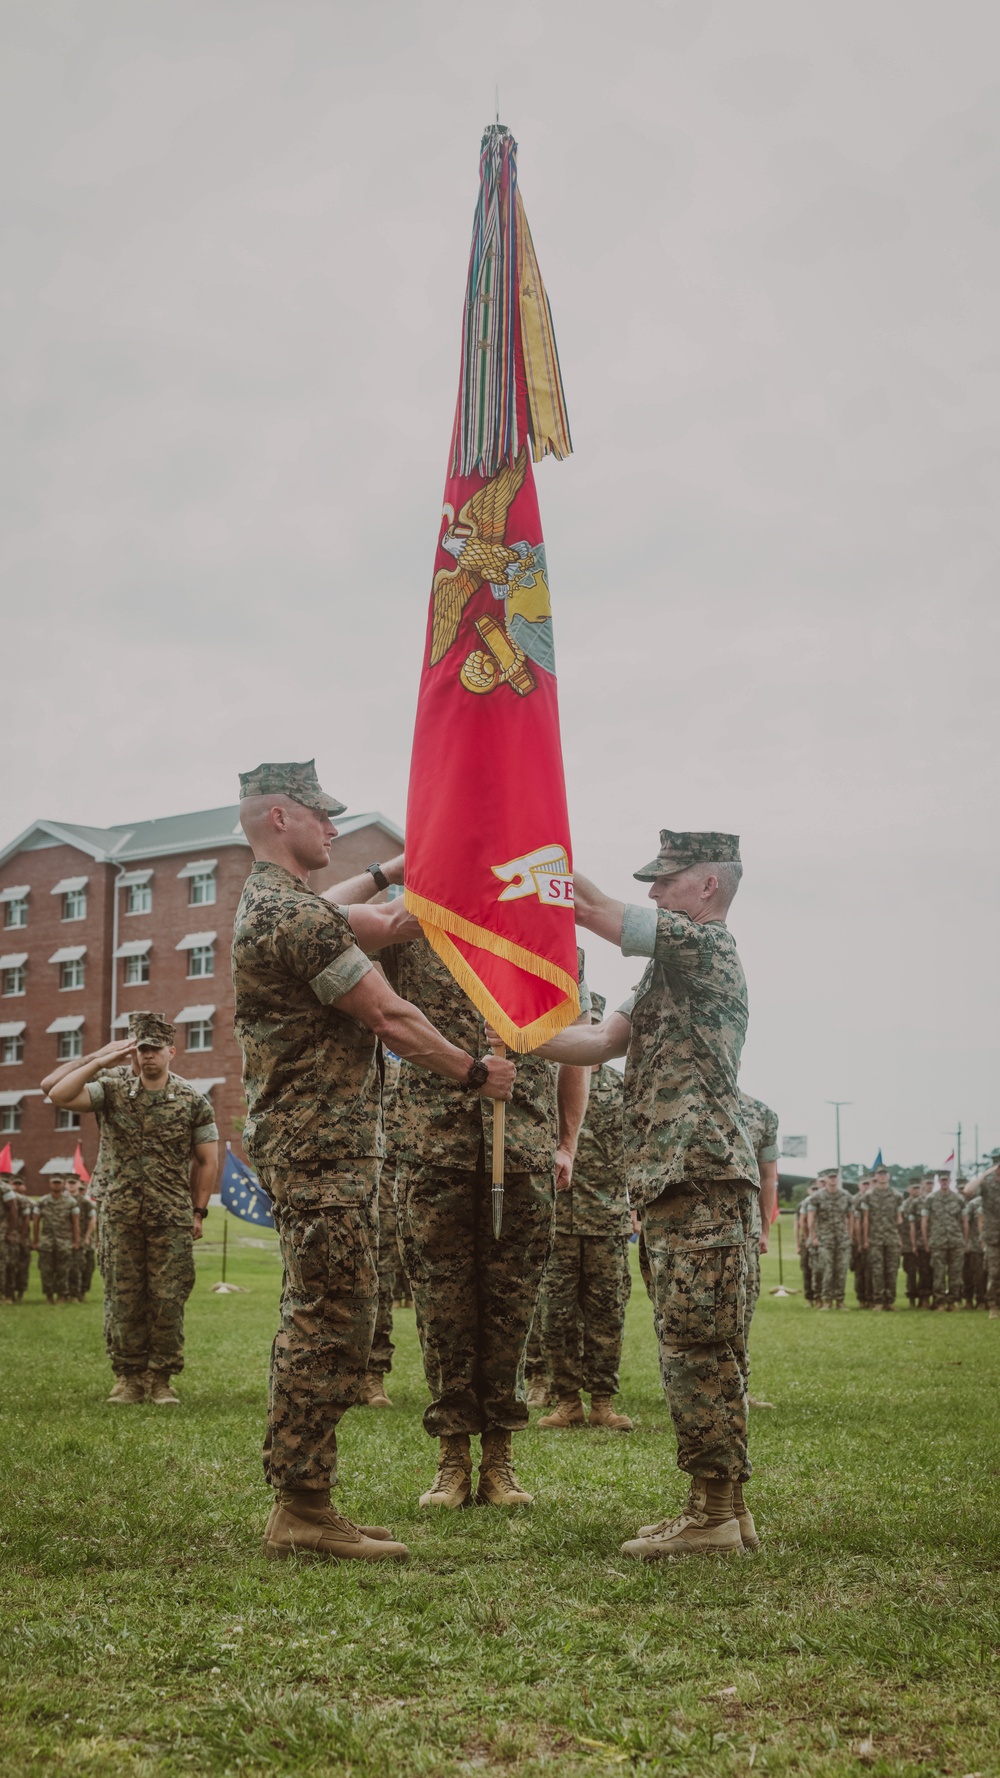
{"x": 837, "y": 1103}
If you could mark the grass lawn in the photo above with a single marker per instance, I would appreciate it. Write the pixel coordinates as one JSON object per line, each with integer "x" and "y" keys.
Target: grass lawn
{"x": 143, "y": 1633}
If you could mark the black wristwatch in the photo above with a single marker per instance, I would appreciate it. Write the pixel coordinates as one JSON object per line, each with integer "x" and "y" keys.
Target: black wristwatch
{"x": 378, "y": 873}
{"x": 199, "y": 1210}
{"x": 477, "y": 1077}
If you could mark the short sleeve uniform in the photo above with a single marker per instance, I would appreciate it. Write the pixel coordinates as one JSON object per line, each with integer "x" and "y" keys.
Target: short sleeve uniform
{"x": 147, "y": 1143}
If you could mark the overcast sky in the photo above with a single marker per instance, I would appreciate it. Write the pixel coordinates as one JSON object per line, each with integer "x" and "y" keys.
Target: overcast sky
{"x": 236, "y": 243}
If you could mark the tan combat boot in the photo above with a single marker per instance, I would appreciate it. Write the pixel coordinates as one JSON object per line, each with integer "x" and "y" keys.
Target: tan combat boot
{"x": 128, "y": 1392}
{"x": 498, "y": 1485}
{"x": 452, "y": 1486}
{"x": 994, "y": 1315}
{"x": 603, "y": 1414}
{"x": 706, "y": 1526}
{"x": 373, "y": 1393}
{"x": 568, "y": 1413}
{"x": 303, "y": 1523}
{"x": 376, "y": 1531}
{"x": 538, "y": 1393}
{"x": 744, "y": 1518}
{"x": 757, "y": 1401}
{"x": 160, "y": 1392}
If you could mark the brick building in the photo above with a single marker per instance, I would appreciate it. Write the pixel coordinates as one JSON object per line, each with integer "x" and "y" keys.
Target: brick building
{"x": 98, "y": 921}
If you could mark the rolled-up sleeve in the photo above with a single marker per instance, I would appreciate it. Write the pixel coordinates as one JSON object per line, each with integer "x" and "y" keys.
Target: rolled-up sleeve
{"x": 340, "y": 976}
{"x": 639, "y": 931}
{"x": 95, "y": 1093}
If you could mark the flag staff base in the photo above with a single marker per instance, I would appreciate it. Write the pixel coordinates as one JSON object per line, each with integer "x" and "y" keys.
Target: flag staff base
{"x": 499, "y": 1135}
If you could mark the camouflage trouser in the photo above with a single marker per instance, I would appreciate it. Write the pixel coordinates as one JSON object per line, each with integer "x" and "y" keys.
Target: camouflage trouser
{"x": 148, "y": 1277}
{"x": 861, "y": 1267}
{"x": 696, "y": 1235}
{"x": 582, "y": 1310}
{"x": 55, "y": 1258}
{"x": 991, "y": 1259}
{"x": 911, "y": 1274}
{"x": 753, "y": 1265}
{"x": 474, "y": 1296}
{"x": 19, "y": 1268}
{"x": 883, "y": 1258}
{"x": 388, "y": 1266}
{"x": 81, "y": 1271}
{"x": 925, "y": 1273}
{"x": 830, "y": 1268}
{"x": 534, "y": 1363}
{"x": 329, "y": 1299}
{"x": 974, "y": 1276}
{"x": 806, "y": 1268}
{"x": 946, "y": 1259}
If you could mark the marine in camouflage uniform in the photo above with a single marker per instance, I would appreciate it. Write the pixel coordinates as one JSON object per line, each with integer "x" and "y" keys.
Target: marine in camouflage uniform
{"x": 830, "y": 1238}
{"x": 82, "y": 1265}
{"x": 474, "y": 1296}
{"x": 881, "y": 1239}
{"x": 859, "y": 1261}
{"x": 943, "y": 1230}
{"x": 308, "y": 1003}
{"x": 691, "y": 1169}
{"x": 804, "y": 1249}
{"x": 909, "y": 1210}
{"x": 986, "y": 1188}
{"x": 762, "y": 1128}
{"x": 974, "y": 1265}
{"x": 158, "y": 1165}
{"x": 373, "y": 1391}
{"x": 57, "y": 1236}
{"x": 8, "y": 1237}
{"x": 586, "y": 1284}
{"x": 20, "y": 1260}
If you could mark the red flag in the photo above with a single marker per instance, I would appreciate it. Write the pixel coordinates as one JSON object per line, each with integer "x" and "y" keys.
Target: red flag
{"x": 6, "y": 1159}
{"x": 78, "y": 1166}
{"x": 488, "y": 854}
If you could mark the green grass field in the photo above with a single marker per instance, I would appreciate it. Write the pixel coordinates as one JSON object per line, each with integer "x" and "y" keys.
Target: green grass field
{"x": 143, "y": 1633}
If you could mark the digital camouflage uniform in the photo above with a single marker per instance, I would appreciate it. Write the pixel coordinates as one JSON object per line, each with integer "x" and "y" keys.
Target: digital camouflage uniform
{"x": 389, "y": 1262}
{"x": 944, "y": 1211}
{"x": 989, "y": 1192}
{"x": 762, "y": 1128}
{"x": 860, "y": 1264}
{"x": 147, "y": 1254}
{"x": 20, "y": 1260}
{"x": 8, "y": 1240}
{"x": 586, "y": 1283}
{"x": 474, "y": 1296}
{"x": 974, "y": 1265}
{"x": 925, "y": 1265}
{"x": 82, "y": 1264}
{"x": 909, "y": 1211}
{"x": 833, "y": 1243}
{"x": 312, "y": 1078}
{"x": 692, "y": 1175}
{"x": 58, "y": 1220}
{"x": 883, "y": 1243}
{"x": 804, "y": 1250}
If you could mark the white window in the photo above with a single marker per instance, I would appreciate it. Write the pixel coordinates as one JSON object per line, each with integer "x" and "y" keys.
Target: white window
{"x": 69, "y": 1045}
{"x": 201, "y": 890}
{"x": 15, "y": 913}
{"x": 136, "y": 970}
{"x": 139, "y": 898}
{"x": 201, "y": 960}
{"x": 11, "y": 1050}
{"x": 199, "y": 1035}
{"x": 14, "y": 980}
{"x": 10, "y": 1120}
{"x": 71, "y": 973}
{"x": 75, "y": 904}
{"x": 67, "y": 1120}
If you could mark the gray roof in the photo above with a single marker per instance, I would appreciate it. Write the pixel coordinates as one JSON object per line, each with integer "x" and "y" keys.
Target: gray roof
{"x": 169, "y": 834}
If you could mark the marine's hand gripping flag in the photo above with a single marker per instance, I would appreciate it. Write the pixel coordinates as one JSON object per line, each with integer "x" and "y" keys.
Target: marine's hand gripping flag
{"x": 488, "y": 857}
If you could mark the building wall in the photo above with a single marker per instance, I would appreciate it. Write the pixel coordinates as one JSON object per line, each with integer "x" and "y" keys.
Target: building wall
{"x": 169, "y": 988}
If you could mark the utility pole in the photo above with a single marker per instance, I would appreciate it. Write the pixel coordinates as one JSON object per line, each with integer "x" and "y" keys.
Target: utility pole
{"x": 837, "y": 1103}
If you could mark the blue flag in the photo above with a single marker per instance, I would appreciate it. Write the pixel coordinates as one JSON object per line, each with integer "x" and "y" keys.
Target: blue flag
{"x": 241, "y": 1194}
{"x": 877, "y": 1162}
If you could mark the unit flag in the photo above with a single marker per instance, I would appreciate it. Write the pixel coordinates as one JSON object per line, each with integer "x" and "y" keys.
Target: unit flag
{"x": 488, "y": 856}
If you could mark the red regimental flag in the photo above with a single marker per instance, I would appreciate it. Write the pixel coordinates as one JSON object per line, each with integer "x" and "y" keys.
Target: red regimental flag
{"x": 78, "y": 1166}
{"x": 6, "y": 1159}
{"x": 488, "y": 855}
